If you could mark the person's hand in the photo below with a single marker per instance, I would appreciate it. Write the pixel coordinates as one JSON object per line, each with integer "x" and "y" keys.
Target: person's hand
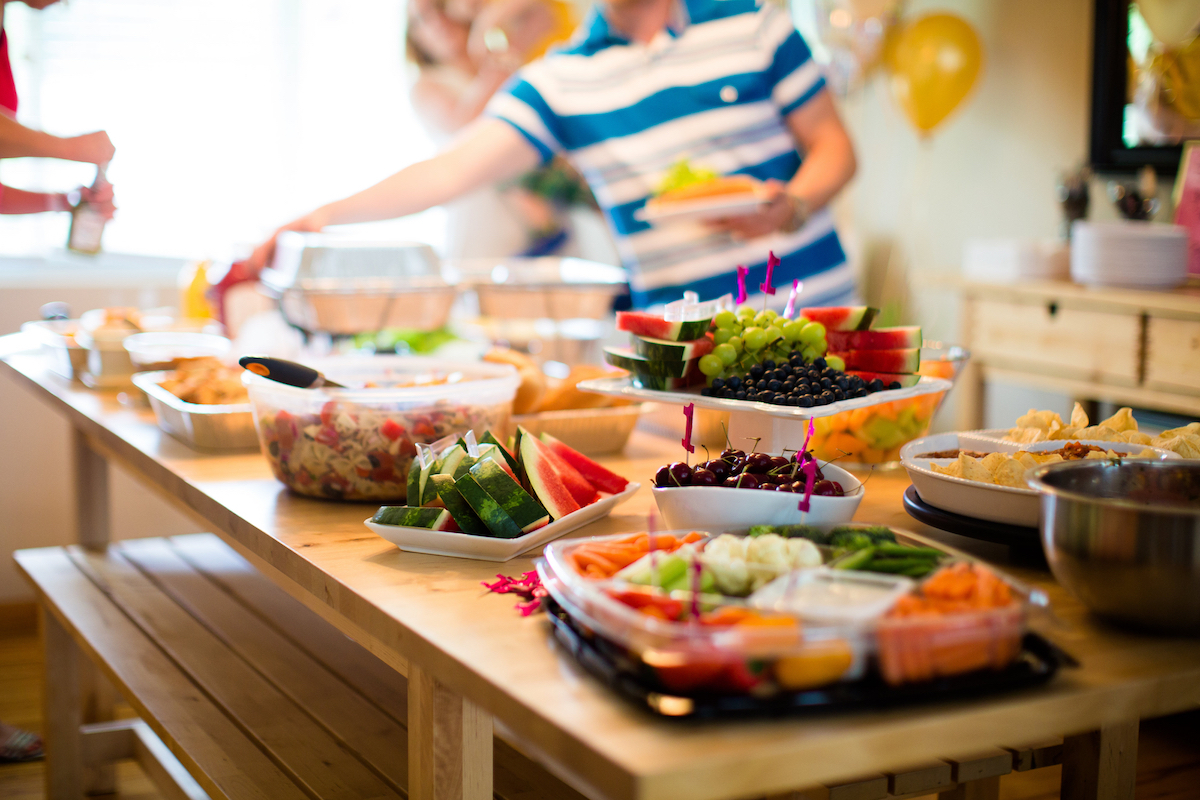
{"x": 768, "y": 219}
{"x": 91, "y": 148}
{"x": 265, "y": 252}
{"x": 99, "y": 197}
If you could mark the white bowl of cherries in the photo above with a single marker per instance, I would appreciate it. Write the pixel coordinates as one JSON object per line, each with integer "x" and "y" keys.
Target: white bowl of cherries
{"x": 737, "y": 490}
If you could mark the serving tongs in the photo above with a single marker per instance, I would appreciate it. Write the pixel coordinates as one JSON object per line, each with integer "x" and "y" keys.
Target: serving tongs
{"x": 287, "y": 372}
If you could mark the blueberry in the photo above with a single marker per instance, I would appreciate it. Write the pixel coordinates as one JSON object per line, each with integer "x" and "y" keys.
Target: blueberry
{"x": 796, "y": 354}
{"x": 826, "y": 383}
{"x": 826, "y": 398}
{"x": 792, "y": 400}
{"x": 894, "y": 385}
{"x": 819, "y": 363}
{"x": 769, "y": 364}
{"x": 734, "y": 383}
{"x": 805, "y": 401}
{"x": 875, "y": 385}
{"x": 789, "y": 386}
{"x": 718, "y": 384}
{"x": 775, "y": 385}
{"x": 779, "y": 399}
{"x": 796, "y": 361}
{"x": 740, "y": 395}
{"x": 842, "y": 382}
{"x": 838, "y": 394}
{"x": 706, "y": 392}
{"x": 756, "y": 371}
{"x": 729, "y": 393}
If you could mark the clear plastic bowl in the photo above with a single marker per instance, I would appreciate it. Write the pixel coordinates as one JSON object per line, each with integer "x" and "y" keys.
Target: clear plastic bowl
{"x": 689, "y": 657}
{"x": 159, "y": 350}
{"x": 874, "y": 435}
{"x": 357, "y": 443}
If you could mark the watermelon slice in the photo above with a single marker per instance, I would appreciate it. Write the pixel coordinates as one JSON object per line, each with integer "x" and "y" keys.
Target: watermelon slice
{"x": 641, "y": 366}
{"x": 493, "y": 515}
{"x": 466, "y": 518}
{"x": 694, "y": 378}
{"x": 514, "y": 468}
{"x": 841, "y": 318}
{"x": 888, "y": 378}
{"x": 543, "y": 478}
{"x": 662, "y": 350}
{"x": 434, "y": 519}
{"x": 524, "y": 510}
{"x": 603, "y": 479}
{"x": 654, "y": 326}
{"x": 584, "y": 493}
{"x": 897, "y": 361}
{"x": 876, "y": 339}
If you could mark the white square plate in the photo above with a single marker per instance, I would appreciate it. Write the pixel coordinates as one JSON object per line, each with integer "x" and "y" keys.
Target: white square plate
{"x": 491, "y": 548}
{"x": 703, "y": 209}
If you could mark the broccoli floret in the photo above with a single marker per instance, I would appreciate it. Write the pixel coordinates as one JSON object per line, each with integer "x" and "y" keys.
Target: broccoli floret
{"x": 762, "y": 530}
{"x": 810, "y": 532}
{"x": 876, "y": 533}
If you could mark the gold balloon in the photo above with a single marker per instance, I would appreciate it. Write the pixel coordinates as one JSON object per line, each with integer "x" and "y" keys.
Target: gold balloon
{"x": 1173, "y": 22}
{"x": 934, "y": 62}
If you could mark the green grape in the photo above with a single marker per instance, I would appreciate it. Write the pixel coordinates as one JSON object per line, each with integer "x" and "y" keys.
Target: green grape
{"x": 808, "y": 353}
{"x": 821, "y": 347}
{"x": 737, "y": 343}
{"x": 725, "y": 319}
{"x": 746, "y": 311}
{"x": 791, "y": 331}
{"x": 774, "y": 334}
{"x": 836, "y": 363}
{"x": 805, "y": 320}
{"x": 710, "y": 365}
{"x": 762, "y": 320}
{"x": 755, "y": 338}
{"x": 812, "y": 333}
{"x": 723, "y": 335}
{"x": 771, "y": 313}
{"x": 726, "y": 353}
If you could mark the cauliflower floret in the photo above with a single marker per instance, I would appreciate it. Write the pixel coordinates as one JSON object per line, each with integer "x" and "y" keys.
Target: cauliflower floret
{"x": 803, "y": 553}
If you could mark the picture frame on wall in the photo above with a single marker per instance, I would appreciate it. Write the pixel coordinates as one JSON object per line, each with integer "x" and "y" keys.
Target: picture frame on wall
{"x": 1129, "y": 131}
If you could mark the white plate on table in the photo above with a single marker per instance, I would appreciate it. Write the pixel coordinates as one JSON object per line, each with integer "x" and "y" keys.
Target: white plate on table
{"x": 986, "y": 501}
{"x": 491, "y": 548}
{"x": 703, "y": 209}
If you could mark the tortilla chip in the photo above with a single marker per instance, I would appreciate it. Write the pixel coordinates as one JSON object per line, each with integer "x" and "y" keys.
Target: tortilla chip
{"x": 1121, "y": 421}
{"x": 1136, "y": 437}
{"x": 1147, "y": 453}
{"x": 1099, "y": 433}
{"x": 1100, "y": 454}
{"x": 1079, "y": 417}
{"x": 1054, "y": 458}
{"x": 1190, "y": 428}
{"x": 1038, "y": 419}
{"x": 1010, "y": 473}
{"x": 1027, "y": 460}
{"x": 953, "y": 470}
{"x": 1187, "y": 445}
{"x": 973, "y": 469}
{"x": 992, "y": 461}
{"x": 1067, "y": 432}
{"x": 1026, "y": 435}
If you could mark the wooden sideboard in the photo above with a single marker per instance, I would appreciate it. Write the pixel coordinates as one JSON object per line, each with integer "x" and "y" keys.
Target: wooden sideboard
{"x": 1125, "y": 346}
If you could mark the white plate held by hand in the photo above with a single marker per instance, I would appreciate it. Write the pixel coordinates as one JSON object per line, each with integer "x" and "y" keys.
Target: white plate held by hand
{"x": 704, "y": 209}
{"x": 491, "y": 548}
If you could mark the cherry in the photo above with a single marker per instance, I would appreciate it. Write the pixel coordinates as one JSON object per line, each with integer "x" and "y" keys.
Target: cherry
{"x": 703, "y": 477}
{"x": 730, "y": 454}
{"x": 662, "y": 477}
{"x": 744, "y": 481}
{"x": 778, "y": 461}
{"x": 768, "y": 487}
{"x": 828, "y": 489}
{"x": 681, "y": 474}
{"x": 787, "y": 487}
{"x": 721, "y": 469}
{"x": 758, "y": 463}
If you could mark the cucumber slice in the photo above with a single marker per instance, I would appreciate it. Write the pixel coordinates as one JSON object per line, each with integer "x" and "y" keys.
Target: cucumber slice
{"x": 494, "y": 517}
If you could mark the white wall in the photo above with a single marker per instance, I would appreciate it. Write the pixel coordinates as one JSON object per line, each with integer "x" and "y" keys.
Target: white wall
{"x": 36, "y": 506}
{"x": 987, "y": 171}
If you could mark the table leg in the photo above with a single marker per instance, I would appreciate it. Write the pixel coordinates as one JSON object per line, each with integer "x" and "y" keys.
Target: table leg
{"x": 1101, "y": 765}
{"x": 449, "y": 742}
{"x": 91, "y": 493}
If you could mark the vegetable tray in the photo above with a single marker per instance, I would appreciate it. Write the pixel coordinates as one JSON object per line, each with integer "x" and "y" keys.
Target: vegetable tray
{"x": 1038, "y": 662}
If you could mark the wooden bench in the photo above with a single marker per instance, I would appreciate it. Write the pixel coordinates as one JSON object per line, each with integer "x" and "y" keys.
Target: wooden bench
{"x": 241, "y": 691}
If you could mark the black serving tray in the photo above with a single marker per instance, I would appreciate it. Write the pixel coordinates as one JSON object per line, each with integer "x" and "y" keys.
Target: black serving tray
{"x": 1017, "y": 536}
{"x": 610, "y": 663}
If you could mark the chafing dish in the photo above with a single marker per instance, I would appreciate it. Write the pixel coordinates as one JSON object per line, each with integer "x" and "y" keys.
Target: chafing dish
{"x": 1124, "y": 537}
{"x": 541, "y": 288}
{"x": 343, "y": 286}
{"x": 204, "y": 427}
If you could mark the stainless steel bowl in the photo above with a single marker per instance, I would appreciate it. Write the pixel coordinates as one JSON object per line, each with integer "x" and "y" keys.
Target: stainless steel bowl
{"x": 1124, "y": 537}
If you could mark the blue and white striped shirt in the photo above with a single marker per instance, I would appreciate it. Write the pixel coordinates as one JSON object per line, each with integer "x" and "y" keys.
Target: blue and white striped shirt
{"x": 714, "y": 90}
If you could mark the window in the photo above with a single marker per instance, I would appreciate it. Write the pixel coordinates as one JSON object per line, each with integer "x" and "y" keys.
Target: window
{"x": 229, "y": 116}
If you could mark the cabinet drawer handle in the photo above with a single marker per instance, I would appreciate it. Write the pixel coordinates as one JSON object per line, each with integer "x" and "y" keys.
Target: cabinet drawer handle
{"x": 1052, "y": 309}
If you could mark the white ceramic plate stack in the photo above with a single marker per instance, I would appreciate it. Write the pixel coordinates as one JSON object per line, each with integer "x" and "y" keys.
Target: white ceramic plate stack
{"x": 1127, "y": 253}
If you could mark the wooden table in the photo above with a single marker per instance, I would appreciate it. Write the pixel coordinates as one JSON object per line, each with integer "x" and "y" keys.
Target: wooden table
{"x": 1124, "y": 346}
{"x": 473, "y": 662}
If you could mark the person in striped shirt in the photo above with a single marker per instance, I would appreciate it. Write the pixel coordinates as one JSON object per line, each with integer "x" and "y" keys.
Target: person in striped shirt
{"x": 728, "y": 85}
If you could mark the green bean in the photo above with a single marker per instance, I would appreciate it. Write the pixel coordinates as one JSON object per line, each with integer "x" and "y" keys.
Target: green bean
{"x": 894, "y": 565}
{"x": 856, "y": 559}
{"x": 905, "y": 551}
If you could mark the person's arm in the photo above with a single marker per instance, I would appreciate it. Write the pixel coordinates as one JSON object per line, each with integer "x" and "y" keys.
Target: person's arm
{"x": 19, "y": 201}
{"x": 829, "y": 164}
{"x": 488, "y": 152}
{"x": 449, "y": 107}
{"x": 18, "y": 141}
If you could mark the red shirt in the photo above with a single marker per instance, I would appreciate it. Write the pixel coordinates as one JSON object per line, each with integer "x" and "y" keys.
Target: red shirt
{"x": 8, "y": 87}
